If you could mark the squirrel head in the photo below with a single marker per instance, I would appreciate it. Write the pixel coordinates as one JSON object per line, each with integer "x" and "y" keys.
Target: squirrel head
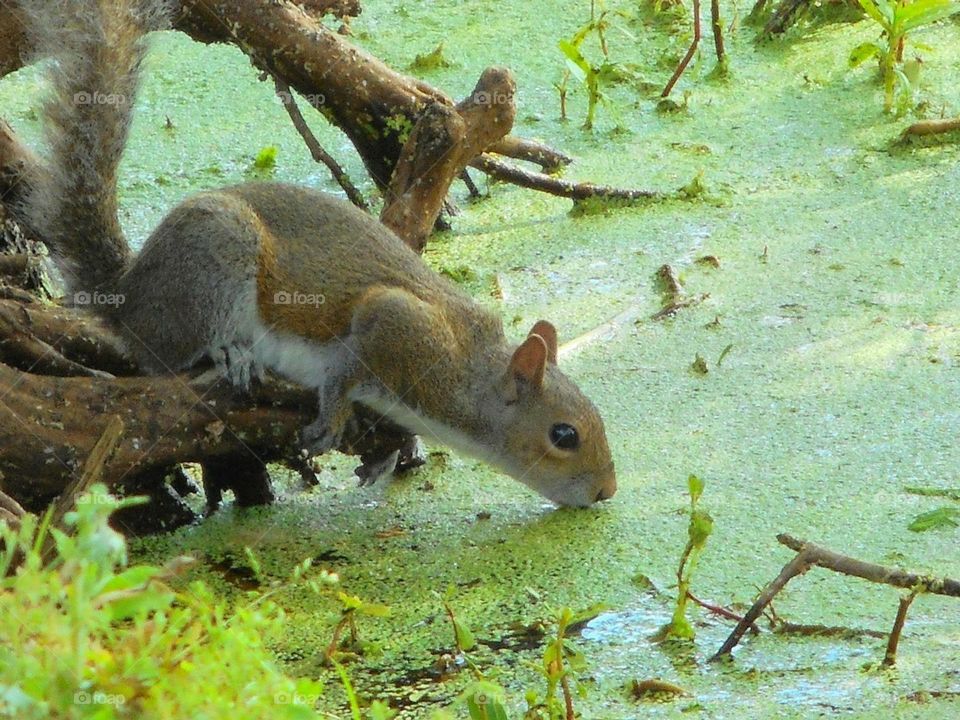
{"x": 553, "y": 436}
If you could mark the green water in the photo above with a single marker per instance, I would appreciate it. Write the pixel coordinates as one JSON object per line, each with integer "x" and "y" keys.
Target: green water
{"x": 838, "y": 291}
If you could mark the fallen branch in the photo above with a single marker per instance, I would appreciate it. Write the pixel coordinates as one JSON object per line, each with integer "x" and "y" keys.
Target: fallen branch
{"x": 671, "y": 309}
{"x": 932, "y": 127}
{"x": 557, "y": 186}
{"x": 810, "y": 555}
{"x": 546, "y": 157}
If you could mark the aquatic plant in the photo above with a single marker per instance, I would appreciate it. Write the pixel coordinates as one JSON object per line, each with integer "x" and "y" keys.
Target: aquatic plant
{"x": 897, "y": 18}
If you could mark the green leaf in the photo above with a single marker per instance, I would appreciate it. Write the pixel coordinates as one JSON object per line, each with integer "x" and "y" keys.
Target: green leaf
{"x": 131, "y": 578}
{"x": 485, "y": 701}
{"x": 924, "y": 12}
{"x": 879, "y": 10}
{"x": 949, "y": 493}
{"x": 379, "y": 710}
{"x": 465, "y": 638}
{"x": 942, "y": 517}
{"x": 139, "y": 605}
{"x": 577, "y": 62}
{"x": 695, "y": 485}
{"x": 863, "y": 52}
{"x": 701, "y": 525}
{"x": 373, "y": 610}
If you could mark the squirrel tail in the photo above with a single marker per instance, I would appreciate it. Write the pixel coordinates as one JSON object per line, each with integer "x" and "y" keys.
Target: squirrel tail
{"x": 96, "y": 47}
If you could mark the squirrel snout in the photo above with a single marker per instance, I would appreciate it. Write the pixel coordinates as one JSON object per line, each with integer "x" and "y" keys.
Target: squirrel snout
{"x": 608, "y": 488}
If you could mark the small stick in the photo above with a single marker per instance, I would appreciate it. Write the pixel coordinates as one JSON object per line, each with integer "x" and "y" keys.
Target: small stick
{"x": 471, "y": 185}
{"x": 717, "y": 30}
{"x": 932, "y": 127}
{"x": 689, "y": 56}
{"x": 719, "y": 610}
{"x": 519, "y": 148}
{"x": 92, "y": 473}
{"x": 556, "y": 186}
{"x": 798, "y": 566}
{"x": 890, "y": 657}
{"x": 846, "y": 565}
{"x": 314, "y": 146}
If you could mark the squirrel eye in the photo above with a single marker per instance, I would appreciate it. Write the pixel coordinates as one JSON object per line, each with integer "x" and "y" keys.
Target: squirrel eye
{"x": 564, "y": 436}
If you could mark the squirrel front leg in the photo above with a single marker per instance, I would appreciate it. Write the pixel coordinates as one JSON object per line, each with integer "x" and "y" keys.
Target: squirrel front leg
{"x": 341, "y": 372}
{"x": 396, "y": 343}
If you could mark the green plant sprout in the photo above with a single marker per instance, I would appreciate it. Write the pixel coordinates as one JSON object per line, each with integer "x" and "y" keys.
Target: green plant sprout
{"x": 561, "y": 659}
{"x": 898, "y": 18}
{"x": 699, "y": 529}
{"x": 351, "y": 607}
{"x": 594, "y": 77}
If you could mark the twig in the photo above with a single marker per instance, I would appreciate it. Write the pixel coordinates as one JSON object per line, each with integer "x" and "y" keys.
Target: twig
{"x": 471, "y": 185}
{"x": 717, "y": 30}
{"x": 782, "y": 627}
{"x": 672, "y": 308}
{"x": 519, "y": 148}
{"x": 890, "y": 657}
{"x": 809, "y": 555}
{"x": 556, "y": 186}
{"x": 689, "y": 56}
{"x": 92, "y": 473}
{"x": 846, "y": 565}
{"x": 719, "y": 610}
{"x": 797, "y": 566}
{"x": 313, "y": 145}
{"x": 932, "y": 127}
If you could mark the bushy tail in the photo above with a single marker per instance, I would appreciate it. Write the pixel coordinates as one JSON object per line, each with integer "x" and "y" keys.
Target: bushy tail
{"x": 96, "y": 47}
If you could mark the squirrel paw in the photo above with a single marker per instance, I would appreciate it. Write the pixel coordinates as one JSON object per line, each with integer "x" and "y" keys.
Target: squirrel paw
{"x": 370, "y": 473}
{"x": 237, "y": 364}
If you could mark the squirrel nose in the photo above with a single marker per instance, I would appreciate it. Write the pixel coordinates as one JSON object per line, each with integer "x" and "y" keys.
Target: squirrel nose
{"x": 607, "y": 489}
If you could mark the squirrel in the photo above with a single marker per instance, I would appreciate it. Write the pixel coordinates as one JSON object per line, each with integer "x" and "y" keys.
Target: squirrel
{"x": 269, "y": 276}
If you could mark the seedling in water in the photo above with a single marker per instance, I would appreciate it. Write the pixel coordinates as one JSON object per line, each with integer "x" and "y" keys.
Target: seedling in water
{"x": 699, "y": 529}
{"x": 594, "y": 77}
{"x": 897, "y": 18}
{"x": 352, "y": 606}
{"x": 561, "y": 658}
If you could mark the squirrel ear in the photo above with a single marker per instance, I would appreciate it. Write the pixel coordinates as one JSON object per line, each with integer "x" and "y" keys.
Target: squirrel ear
{"x": 549, "y": 334}
{"x": 529, "y": 361}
